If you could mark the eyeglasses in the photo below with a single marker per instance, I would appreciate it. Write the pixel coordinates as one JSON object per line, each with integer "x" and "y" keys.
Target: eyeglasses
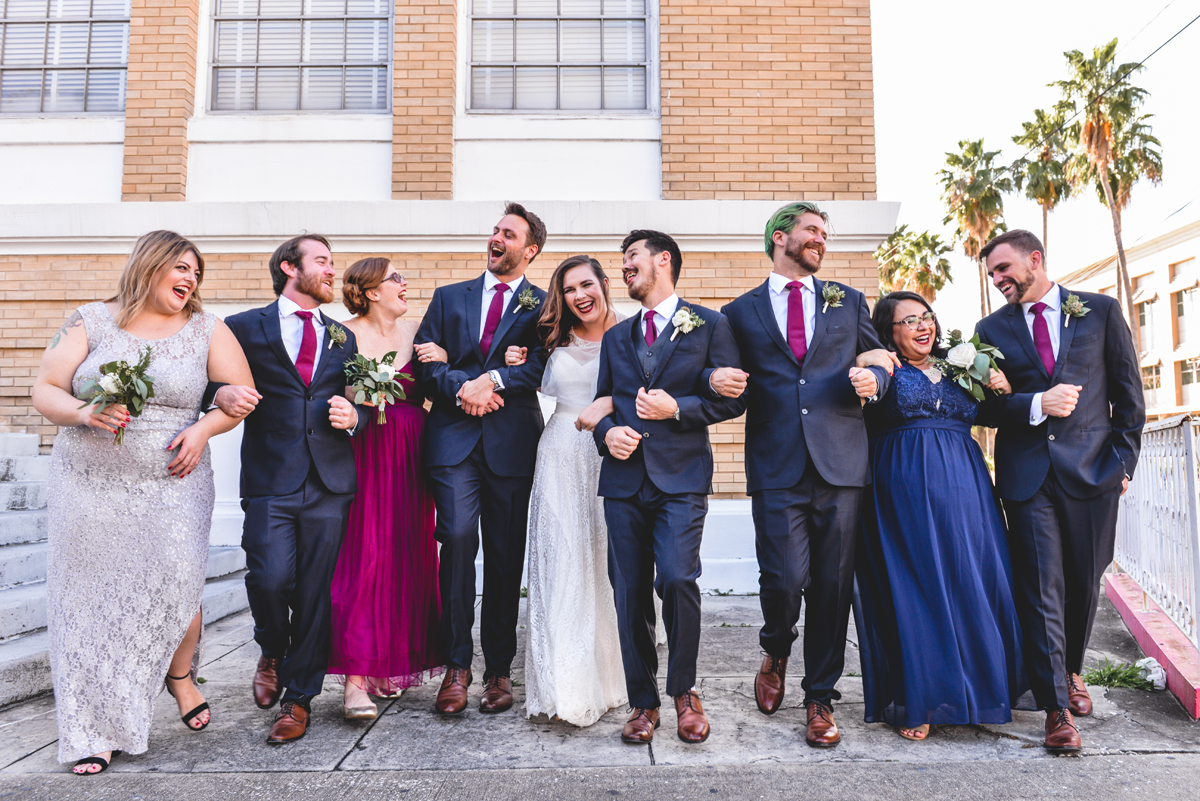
{"x": 914, "y": 322}
{"x": 397, "y": 277}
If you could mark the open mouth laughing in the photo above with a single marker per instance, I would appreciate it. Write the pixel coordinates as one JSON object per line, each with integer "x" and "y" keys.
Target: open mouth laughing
{"x": 584, "y": 306}
{"x": 923, "y": 339}
{"x": 182, "y": 291}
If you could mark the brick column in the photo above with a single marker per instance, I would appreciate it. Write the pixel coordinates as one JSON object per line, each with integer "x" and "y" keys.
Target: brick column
{"x": 423, "y": 99}
{"x": 160, "y": 92}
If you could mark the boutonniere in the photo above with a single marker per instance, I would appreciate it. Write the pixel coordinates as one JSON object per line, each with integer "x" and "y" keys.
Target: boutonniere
{"x": 833, "y": 295}
{"x": 1073, "y": 307}
{"x": 685, "y": 321}
{"x": 337, "y": 335}
{"x": 527, "y": 301}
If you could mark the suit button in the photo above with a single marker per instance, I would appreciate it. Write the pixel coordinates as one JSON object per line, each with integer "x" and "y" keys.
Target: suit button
{"x": 645, "y": 434}
{"x": 310, "y": 431}
{"x": 804, "y": 411}
{"x": 1052, "y": 438}
{"x": 802, "y": 382}
{"x": 647, "y": 376}
{"x": 310, "y": 397}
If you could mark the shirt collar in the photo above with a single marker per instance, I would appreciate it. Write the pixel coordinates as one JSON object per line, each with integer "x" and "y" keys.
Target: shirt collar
{"x": 1051, "y": 299}
{"x": 665, "y": 310}
{"x": 288, "y": 307}
{"x": 778, "y": 283}
{"x": 490, "y": 280}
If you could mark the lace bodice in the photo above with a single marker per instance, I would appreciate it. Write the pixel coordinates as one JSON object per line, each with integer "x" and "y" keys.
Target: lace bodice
{"x": 913, "y": 396}
{"x": 571, "y": 374}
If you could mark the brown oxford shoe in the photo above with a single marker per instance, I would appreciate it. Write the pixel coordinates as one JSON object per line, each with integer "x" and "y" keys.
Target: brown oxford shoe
{"x": 290, "y": 724}
{"x": 1061, "y": 735}
{"x": 640, "y": 726}
{"x": 266, "y": 682}
{"x": 822, "y": 732}
{"x": 452, "y": 695}
{"x": 1077, "y": 696}
{"x": 497, "y": 695}
{"x": 768, "y": 684}
{"x": 693, "y": 724}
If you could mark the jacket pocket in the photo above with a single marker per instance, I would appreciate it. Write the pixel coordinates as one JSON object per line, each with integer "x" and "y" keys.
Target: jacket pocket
{"x": 1085, "y": 340}
{"x": 838, "y": 329}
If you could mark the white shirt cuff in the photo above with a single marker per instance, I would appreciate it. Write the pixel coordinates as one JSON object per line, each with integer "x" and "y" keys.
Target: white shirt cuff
{"x": 1036, "y": 416}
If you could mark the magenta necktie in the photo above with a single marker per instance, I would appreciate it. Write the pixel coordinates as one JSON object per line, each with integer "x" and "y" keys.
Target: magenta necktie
{"x": 1041, "y": 338}
{"x": 493, "y": 318}
{"x": 797, "y": 339}
{"x": 651, "y": 333}
{"x": 308, "y": 348}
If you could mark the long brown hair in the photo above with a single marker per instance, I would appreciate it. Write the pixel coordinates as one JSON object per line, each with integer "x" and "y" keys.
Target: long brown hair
{"x": 153, "y": 254}
{"x": 557, "y": 318}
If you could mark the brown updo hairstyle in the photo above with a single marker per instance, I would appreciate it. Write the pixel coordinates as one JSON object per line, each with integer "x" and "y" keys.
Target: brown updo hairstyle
{"x": 364, "y": 274}
{"x": 557, "y": 319}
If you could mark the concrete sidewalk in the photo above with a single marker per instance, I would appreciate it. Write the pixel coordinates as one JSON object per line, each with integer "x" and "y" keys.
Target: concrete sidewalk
{"x": 1135, "y": 742}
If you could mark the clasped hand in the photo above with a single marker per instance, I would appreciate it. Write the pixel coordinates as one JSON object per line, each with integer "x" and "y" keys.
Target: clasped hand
{"x": 237, "y": 400}
{"x": 478, "y": 397}
{"x": 1060, "y": 399}
{"x": 655, "y": 405}
{"x": 864, "y": 382}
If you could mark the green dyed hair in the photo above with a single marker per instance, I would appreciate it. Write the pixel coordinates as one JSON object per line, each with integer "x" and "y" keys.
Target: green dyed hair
{"x": 785, "y": 220}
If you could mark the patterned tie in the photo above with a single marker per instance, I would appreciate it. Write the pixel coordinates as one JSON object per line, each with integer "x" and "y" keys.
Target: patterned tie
{"x": 651, "y": 333}
{"x": 308, "y": 348}
{"x": 493, "y": 318}
{"x": 797, "y": 339}
{"x": 1041, "y": 337}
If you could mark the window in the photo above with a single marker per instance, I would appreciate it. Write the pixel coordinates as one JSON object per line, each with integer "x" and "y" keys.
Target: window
{"x": 1189, "y": 381}
{"x": 1145, "y": 313}
{"x": 1151, "y": 383}
{"x": 63, "y": 56}
{"x": 1186, "y": 309}
{"x": 1184, "y": 271}
{"x": 545, "y": 55}
{"x": 288, "y": 55}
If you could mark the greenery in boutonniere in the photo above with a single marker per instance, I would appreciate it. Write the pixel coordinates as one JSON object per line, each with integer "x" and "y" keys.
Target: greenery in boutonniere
{"x": 685, "y": 320}
{"x": 119, "y": 383}
{"x": 969, "y": 363}
{"x": 376, "y": 383}
{"x": 1073, "y": 306}
{"x": 337, "y": 335}
{"x": 526, "y": 300}
{"x": 833, "y": 295}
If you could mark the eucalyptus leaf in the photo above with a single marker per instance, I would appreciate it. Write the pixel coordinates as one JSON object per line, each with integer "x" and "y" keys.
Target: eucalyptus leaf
{"x": 977, "y": 392}
{"x": 360, "y": 397}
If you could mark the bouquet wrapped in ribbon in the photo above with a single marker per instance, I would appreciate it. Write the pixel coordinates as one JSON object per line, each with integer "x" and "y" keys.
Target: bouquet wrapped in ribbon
{"x": 376, "y": 383}
{"x": 120, "y": 383}
{"x": 969, "y": 362}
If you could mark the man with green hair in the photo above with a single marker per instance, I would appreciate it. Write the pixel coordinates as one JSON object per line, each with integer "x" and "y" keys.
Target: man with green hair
{"x": 806, "y": 454}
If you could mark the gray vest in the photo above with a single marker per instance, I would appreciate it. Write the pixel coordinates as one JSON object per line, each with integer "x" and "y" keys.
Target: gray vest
{"x": 649, "y": 356}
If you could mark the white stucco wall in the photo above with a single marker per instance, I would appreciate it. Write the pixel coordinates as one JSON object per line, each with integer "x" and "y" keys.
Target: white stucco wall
{"x": 61, "y": 159}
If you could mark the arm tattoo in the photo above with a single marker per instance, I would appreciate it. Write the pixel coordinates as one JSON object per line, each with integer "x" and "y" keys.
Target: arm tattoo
{"x": 74, "y": 321}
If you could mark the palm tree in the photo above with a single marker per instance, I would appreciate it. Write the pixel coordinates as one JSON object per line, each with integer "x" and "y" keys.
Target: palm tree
{"x": 908, "y": 260}
{"x": 1111, "y": 143}
{"x": 973, "y": 188}
{"x": 1044, "y": 177}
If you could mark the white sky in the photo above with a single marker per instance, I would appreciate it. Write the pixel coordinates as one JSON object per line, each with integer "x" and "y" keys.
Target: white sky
{"x": 947, "y": 70}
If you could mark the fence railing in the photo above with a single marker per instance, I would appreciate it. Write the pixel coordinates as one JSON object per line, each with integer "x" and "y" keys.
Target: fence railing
{"x": 1158, "y": 527}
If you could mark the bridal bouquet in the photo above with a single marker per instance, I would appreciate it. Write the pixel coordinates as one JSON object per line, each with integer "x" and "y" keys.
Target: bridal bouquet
{"x": 969, "y": 362}
{"x": 120, "y": 383}
{"x": 376, "y": 383}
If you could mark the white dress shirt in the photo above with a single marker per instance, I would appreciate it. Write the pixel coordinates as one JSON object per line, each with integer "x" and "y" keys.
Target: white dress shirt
{"x": 291, "y": 328}
{"x": 1051, "y": 315}
{"x": 779, "y": 303}
{"x": 489, "y": 291}
{"x": 663, "y": 313}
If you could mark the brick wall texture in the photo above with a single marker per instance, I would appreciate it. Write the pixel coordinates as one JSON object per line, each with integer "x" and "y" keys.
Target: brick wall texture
{"x": 159, "y": 96}
{"x": 767, "y": 99}
{"x": 423, "y": 100}
{"x": 44, "y": 289}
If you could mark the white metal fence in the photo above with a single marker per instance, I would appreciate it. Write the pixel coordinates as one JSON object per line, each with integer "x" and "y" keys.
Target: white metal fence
{"x": 1157, "y": 528}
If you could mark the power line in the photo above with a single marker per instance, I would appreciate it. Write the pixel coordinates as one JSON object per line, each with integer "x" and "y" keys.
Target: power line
{"x": 1129, "y": 41}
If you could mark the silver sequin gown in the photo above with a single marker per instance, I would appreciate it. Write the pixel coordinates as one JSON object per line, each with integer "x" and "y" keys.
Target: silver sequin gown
{"x": 128, "y": 544}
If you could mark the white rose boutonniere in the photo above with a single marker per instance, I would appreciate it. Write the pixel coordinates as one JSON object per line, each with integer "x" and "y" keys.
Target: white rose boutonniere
{"x": 685, "y": 321}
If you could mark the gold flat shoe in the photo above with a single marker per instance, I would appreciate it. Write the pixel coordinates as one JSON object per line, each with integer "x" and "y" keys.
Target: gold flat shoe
{"x": 368, "y": 712}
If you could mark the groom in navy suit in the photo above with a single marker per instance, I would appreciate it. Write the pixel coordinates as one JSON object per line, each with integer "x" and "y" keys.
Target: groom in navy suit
{"x": 480, "y": 443}
{"x": 1066, "y": 447}
{"x": 657, "y": 474}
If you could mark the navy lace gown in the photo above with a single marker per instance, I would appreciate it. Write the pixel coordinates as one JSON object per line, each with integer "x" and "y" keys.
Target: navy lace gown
{"x": 934, "y": 608}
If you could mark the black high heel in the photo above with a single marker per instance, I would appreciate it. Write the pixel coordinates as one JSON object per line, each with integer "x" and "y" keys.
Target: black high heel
{"x": 94, "y": 760}
{"x": 187, "y": 719}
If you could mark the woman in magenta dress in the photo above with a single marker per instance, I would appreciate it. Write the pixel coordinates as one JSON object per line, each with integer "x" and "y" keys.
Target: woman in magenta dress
{"x": 385, "y": 601}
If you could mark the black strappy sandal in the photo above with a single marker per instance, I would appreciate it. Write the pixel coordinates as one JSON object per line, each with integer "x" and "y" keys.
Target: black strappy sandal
{"x": 187, "y": 719}
{"x": 94, "y": 760}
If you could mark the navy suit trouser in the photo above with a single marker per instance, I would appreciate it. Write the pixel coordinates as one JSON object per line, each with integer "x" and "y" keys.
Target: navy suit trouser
{"x": 292, "y": 544}
{"x": 1060, "y": 547}
{"x": 805, "y": 539}
{"x": 467, "y": 495}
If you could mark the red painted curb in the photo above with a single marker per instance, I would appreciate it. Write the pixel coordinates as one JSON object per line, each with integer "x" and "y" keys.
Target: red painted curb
{"x": 1158, "y": 637}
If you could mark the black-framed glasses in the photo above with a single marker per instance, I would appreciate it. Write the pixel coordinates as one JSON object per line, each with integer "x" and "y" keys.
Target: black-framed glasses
{"x": 397, "y": 277}
{"x": 914, "y": 322}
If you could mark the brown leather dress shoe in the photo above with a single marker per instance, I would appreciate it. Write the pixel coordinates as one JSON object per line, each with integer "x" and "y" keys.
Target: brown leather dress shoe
{"x": 768, "y": 684}
{"x": 1061, "y": 735}
{"x": 693, "y": 724}
{"x": 1077, "y": 696}
{"x": 266, "y": 682}
{"x": 822, "y": 732}
{"x": 640, "y": 726}
{"x": 452, "y": 696}
{"x": 497, "y": 695}
{"x": 290, "y": 724}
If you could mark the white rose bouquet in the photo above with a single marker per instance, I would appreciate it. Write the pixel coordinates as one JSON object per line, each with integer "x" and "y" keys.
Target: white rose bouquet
{"x": 376, "y": 383}
{"x": 969, "y": 363}
{"x": 120, "y": 383}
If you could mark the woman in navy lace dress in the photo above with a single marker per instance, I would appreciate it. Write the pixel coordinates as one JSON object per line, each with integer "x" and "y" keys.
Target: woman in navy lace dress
{"x": 938, "y": 630}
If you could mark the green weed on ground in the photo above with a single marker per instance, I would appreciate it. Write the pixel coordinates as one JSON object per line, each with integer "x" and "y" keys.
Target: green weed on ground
{"x": 1117, "y": 674}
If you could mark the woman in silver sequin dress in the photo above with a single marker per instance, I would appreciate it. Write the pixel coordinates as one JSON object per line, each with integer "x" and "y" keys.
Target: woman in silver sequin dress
{"x": 129, "y": 524}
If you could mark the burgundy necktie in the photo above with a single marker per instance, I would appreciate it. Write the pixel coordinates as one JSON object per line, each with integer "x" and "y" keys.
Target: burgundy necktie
{"x": 797, "y": 339}
{"x": 1041, "y": 338}
{"x": 493, "y": 318}
{"x": 308, "y": 348}
{"x": 651, "y": 333}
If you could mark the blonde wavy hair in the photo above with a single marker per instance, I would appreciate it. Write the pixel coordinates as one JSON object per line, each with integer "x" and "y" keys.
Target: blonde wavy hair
{"x": 153, "y": 254}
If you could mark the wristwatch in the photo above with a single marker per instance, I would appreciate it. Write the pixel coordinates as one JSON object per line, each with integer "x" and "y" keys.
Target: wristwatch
{"x": 497, "y": 385}
{"x": 676, "y": 415}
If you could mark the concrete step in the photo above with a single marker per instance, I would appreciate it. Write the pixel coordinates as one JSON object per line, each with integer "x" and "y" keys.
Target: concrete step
{"x": 27, "y": 525}
{"x": 22, "y": 609}
{"x": 22, "y": 564}
{"x": 222, "y": 560}
{"x": 19, "y": 495}
{"x": 24, "y": 468}
{"x": 224, "y": 596}
{"x": 19, "y": 444}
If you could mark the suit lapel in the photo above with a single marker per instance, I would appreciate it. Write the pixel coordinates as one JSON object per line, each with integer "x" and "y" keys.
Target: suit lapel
{"x": 329, "y": 353}
{"x": 669, "y": 346}
{"x": 761, "y": 300}
{"x": 472, "y": 310}
{"x": 1016, "y": 320}
{"x": 511, "y": 312}
{"x": 1066, "y": 335}
{"x": 274, "y": 334}
{"x": 819, "y": 320}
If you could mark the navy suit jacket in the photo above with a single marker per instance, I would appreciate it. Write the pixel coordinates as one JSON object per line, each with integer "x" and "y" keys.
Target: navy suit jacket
{"x": 289, "y": 430}
{"x": 675, "y": 454}
{"x": 1098, "y": 444}
{"x": 812, "y": 412}
{"x": 510, "y": 434}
